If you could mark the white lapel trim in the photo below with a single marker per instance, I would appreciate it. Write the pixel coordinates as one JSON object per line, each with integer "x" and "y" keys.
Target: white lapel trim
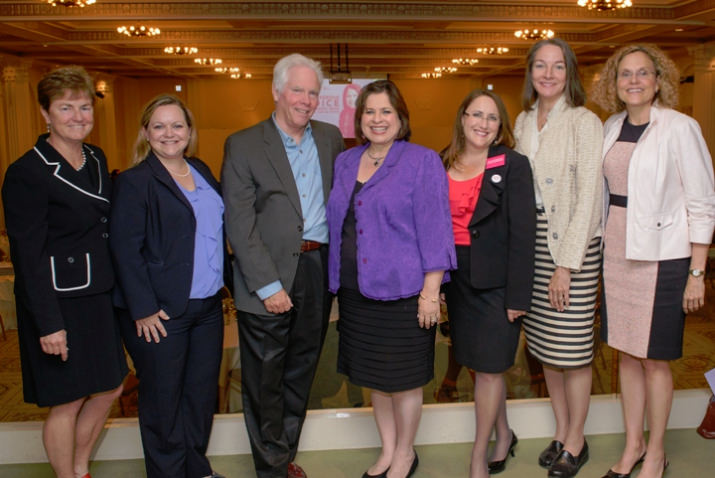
{"x": 57, "y": 170}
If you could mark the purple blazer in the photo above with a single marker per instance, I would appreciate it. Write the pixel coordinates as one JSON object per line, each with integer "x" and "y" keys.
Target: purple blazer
{"x": 404, "y": 227}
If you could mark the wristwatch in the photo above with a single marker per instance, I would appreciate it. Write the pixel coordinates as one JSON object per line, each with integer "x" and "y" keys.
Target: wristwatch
{"x": 696, "y": 272}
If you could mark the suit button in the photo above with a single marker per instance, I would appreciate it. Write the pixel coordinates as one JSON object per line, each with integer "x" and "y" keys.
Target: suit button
{"x": 553, "y": 208}
{"x": 658, "y": 224}
{"x": 359, "y": 203}
{"x": 105, "y": 235}
{"x": 549, "y": 180}
{"x": 300, "y": 228}
{"x": 70, "y": 260}
{"x": 103, "y": 220}
{"x": 364, "y": 261}
{"x": 475, "y": 234}
{"x": 555, "y": 235}
{"x": 360, "y": 232}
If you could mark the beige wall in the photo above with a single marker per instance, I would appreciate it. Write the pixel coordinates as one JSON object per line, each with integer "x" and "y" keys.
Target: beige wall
{"x": 222, "y": 106}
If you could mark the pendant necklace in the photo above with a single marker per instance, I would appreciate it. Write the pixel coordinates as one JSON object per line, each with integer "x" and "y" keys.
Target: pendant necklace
{"x": 375, "y": 159}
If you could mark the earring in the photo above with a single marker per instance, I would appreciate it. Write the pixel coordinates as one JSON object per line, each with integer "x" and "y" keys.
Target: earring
{"x": 48, "y": 127}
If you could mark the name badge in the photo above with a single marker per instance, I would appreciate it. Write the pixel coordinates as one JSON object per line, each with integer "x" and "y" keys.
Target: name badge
{"x": 495, "y": 162}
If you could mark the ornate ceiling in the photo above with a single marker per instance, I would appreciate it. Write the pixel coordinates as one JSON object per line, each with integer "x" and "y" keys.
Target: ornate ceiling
{"x": 400, "y": 37}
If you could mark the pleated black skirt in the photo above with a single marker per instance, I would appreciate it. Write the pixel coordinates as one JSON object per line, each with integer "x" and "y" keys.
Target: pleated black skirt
{"x": 381, "y": 344}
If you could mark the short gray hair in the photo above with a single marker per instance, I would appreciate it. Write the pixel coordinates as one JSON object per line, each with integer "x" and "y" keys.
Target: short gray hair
{"x": 280, "y": 71}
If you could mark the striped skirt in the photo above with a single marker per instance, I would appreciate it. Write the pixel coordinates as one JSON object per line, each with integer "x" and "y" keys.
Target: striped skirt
{"x": 562, "y": 339}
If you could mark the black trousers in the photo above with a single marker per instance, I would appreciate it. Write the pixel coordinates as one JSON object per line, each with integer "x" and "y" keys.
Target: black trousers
{"x": 178, "y": 382}
{"x": 279, "y": 355}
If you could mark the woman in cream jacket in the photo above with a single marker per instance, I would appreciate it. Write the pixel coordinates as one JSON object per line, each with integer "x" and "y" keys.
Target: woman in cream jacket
{"x": 563, "y": 142}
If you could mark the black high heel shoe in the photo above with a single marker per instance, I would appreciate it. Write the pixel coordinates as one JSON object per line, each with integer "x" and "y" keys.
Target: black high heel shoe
{"x": 498, "y": 466}
{"x": 613, "y": 474}
{"x": 413, "y": 467}
{"x": 380, "y": 475}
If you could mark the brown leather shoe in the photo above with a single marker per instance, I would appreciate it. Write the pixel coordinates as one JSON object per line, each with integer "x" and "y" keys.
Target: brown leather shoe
{"x": 295, "y": 471}
{"x": 707, "y": 427}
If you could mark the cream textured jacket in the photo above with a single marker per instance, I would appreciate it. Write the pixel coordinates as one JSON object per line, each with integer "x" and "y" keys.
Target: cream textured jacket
{"x": 671, "y": 196}
{"x": 568, "y": 171}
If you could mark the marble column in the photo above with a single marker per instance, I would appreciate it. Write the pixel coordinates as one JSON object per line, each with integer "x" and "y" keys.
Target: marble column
{"x": 17, "y": 124}
{"x": 704, "y": 90}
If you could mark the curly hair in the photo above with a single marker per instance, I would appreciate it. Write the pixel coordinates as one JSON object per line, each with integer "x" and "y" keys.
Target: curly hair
{"x": 605, "y": 91}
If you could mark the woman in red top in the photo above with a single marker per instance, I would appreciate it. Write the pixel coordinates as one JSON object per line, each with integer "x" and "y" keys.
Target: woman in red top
{"x": 491, "y": 198}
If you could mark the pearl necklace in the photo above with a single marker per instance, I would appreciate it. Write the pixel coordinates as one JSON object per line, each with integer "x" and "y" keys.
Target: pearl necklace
{"x": 178, "y": 175}
{"x": 84, "y": 161}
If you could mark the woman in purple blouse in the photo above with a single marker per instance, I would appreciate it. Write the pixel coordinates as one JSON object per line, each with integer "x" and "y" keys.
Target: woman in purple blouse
{"x": 390, "y": 245}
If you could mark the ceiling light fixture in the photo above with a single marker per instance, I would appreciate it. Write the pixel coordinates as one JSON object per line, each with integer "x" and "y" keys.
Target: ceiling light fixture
{"x": 465, "y": 61}
{"x": 492, "y": 50}
{"x": 604, "y": 5}
{"x": 208, "y": 61}
{"x": 431, "y": 75}
{"x": 181, "y": 50}
{"x": 140, "y": 31}
{"x": 71, "y": 3}
{"x": 238, "y": 76}
{"x": 445, "y": 69}
{"x": 534, "y": 34}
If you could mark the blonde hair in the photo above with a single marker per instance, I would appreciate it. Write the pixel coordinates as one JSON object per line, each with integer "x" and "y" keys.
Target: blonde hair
{"x": 141, "y": 146}
{"x": 605, "y": 92}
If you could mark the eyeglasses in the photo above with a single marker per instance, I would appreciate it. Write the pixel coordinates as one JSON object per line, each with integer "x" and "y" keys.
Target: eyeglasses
{"x": 640, "y": 74}
{"x": 492, "y": 118}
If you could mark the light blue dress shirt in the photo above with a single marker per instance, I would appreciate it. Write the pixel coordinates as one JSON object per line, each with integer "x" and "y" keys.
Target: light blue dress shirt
{"x": 305, "y": 164}
{"x": 208, "y": 208}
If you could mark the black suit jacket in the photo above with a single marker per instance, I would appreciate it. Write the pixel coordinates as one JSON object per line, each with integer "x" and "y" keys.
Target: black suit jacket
{"x": 503, "y": 230}
{"x": 264, "y": 221}
{"x": 58, "y": 230}
{"x": 152, "y": 239}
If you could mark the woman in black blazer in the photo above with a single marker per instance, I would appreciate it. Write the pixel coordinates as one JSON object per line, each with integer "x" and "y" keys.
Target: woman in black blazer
{"x": 168, "y": 247}
{"x": 56, "y": 199}
{"x": 491, "y": 199}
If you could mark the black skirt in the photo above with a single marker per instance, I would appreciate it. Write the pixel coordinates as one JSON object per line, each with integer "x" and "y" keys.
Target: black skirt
{"x": 483, "y": 339}
{"x": 96, "y": 361}
{"x": 381, "y": 344}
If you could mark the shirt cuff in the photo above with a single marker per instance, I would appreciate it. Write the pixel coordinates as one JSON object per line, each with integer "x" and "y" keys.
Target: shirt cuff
{"x": 268, "y": 290}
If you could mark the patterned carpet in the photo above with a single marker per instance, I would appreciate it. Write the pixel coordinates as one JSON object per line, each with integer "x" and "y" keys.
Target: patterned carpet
{"x": 333, "y": 391}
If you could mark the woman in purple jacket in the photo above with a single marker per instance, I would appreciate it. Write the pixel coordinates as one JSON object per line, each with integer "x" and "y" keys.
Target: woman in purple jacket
{"x": 390, "y": 245}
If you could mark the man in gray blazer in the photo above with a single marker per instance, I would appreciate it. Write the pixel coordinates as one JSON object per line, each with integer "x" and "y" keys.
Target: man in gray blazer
{"x": 276, "y": 179}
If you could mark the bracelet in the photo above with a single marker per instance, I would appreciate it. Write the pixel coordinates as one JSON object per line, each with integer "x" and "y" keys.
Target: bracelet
{"x": 434, "y": 301}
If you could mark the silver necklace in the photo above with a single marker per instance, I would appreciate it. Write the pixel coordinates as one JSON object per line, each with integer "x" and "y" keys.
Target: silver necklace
{"x": 375, "y": 159}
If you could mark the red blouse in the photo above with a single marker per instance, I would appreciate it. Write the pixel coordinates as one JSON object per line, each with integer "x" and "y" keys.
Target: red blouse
{"x": 463, "y": 197}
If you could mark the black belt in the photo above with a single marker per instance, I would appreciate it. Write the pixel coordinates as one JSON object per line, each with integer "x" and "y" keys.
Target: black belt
{"x": 616, "y": 200}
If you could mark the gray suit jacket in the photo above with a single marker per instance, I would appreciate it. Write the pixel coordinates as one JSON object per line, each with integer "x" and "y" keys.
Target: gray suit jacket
{"x": 264, "y": 221}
